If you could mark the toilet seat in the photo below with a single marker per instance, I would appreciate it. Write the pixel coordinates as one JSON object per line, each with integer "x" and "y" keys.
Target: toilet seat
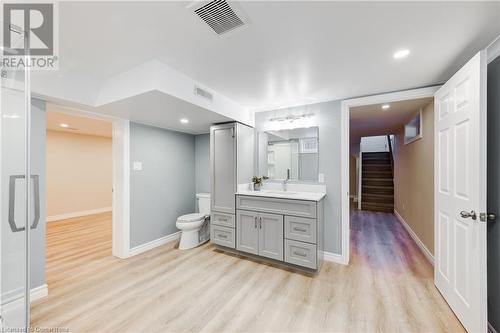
{"x": 194, "y": 217}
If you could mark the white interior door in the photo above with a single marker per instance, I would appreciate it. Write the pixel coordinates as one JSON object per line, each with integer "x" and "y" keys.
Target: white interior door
{"x": 460, "y": 186}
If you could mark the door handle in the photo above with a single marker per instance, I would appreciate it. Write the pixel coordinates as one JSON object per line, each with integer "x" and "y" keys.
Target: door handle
{"x": 12, "y": 202}
{"x": 260, "y": 222}
{"x": 472, "y": 214}
{"x": 255, "y": 222}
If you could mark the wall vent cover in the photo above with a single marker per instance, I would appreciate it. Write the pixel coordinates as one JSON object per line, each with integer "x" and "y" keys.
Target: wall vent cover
{"x": 203, "y": 93}
{"x": 219, "y": 16}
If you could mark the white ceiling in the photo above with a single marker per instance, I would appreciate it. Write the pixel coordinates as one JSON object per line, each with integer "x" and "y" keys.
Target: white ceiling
{"x": 162, "y": 110}
{"x": 371, "y": 120}
{"x": 290, "y": 52}
{"x": 57, "y": 115}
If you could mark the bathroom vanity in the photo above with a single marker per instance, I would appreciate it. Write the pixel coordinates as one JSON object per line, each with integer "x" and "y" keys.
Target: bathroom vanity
{"x": 282, "y": 225}
{"x": 283, "y": 222}
{"x": 285, "y": 226}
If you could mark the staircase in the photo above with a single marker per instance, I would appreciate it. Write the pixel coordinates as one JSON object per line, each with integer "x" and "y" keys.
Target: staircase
{"x": 377, "y": 193}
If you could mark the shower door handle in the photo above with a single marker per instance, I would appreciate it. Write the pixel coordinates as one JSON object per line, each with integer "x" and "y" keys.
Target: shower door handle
{"x": 12, "y": 202}
{"x": 36, "y": 192}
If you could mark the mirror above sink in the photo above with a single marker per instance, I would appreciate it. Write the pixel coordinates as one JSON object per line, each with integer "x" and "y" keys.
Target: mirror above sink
{"x": 293, "y": 152}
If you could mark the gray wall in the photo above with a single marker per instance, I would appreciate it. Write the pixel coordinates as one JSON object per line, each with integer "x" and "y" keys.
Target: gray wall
{"x": 494, "y": 192}
{"x": 165, "y": 187}
{"x": 38, "y": 168}
{"x": 202, "y": 163}
{"x": 327, "y": 118}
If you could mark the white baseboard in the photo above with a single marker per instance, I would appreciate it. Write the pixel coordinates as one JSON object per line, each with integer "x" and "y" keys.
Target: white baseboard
{"x": 78, "y": 214}
{"x": 151, "y": 245}
{"x": 13, "y": 298}
{"x": 334, "y": 257}
{"x": 417, "y": 240}
{"x": 491, "y": 329}
{"x": 39, "y": 292}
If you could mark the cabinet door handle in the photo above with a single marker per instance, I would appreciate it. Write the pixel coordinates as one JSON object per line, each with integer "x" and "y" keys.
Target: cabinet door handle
{"x": 256, "y": 222}
{"x": 299, "y": 229}
{"x": 300, "y": 254}
{"x": 260, "y": 222}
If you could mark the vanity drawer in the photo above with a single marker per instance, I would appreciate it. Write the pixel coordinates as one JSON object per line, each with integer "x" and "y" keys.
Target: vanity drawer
{"x": 301, "y": 254}
{"x": 222, "y": 235}
{"x": 222, "y": 219}
{"x": 300, "y": 229}
{"x": 277, "y": 205}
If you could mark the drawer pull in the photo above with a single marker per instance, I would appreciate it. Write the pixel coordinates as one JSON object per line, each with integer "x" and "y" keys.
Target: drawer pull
{"x": 222, "y": 236}
{"x": 300, "y": 254}
{"x": 299, "y": 229}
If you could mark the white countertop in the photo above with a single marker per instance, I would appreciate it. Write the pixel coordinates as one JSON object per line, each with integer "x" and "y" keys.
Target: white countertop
{"x": 289, "y": 194}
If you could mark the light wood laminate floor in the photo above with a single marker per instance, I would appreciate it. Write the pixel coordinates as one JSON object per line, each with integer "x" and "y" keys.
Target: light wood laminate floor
{"x": 388, "y": 286}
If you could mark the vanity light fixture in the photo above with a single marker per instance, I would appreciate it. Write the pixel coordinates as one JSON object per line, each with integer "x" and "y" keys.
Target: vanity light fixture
{"x": 10, "y": 116}
{"x": 63, "y": 125}
{"x": 385, "y": 107}
{"x": 184, "y": 120}
{"x": 401, "y": 54}
{"x": 292, "y": 118}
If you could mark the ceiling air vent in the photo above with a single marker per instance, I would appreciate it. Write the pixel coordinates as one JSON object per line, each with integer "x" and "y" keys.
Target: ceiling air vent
{"x": 219, "y": 16}
{"x": 203, "y": 93}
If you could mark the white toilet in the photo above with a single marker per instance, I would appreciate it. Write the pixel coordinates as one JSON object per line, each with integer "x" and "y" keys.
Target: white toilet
{"x": 190, "y": 225}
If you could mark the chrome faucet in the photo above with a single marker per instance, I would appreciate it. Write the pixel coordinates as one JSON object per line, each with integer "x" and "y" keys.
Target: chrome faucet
{"x": 286, "y": 180}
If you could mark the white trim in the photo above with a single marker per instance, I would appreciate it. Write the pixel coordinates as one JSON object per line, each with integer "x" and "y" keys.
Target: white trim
{"x": 334, "y": 257}
{"x": 344, "y": 142}
{"x": 121, "y": 188}
{"x": 13, "y": 297}
{"x": 151, "y": 245}
{"x": 493, "y": 50}
{"x": 39, "y": 292}
{"x": 428, "y": 255}
{"x": 121, "y": 178}
{"x": 78, "y": 214}
{"x": 491, "y": 329}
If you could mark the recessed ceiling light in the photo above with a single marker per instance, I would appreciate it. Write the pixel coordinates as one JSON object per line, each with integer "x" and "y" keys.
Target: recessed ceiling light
{"x": 401, "y": 54}
{"x": 64, "y": 125}
{"x": 385, "y": 107}
{"x": 184, "y": 120}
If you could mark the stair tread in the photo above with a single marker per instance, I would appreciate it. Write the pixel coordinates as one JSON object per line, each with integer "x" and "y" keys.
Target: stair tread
{"x": 378, "y": 186}
{"x": 380, "y": 204}
{"x": 382, "y": 179}
{"x": 379, "y": 195}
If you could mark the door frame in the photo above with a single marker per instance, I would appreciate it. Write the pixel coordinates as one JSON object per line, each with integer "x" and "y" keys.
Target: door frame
{"x": 346, "y": 105}
{"x": 121, "y": 176}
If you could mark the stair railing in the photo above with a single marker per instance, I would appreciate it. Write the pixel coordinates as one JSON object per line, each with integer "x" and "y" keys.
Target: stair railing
{"x": 390, "y": 154}
{"x": 360, "y": 179}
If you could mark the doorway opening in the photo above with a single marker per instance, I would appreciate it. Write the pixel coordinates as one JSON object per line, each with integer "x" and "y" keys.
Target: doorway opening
{"x": 79, "y": 192}
{"x": 391, "y": 173}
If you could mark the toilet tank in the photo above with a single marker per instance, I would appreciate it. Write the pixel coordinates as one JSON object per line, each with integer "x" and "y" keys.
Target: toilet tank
{"x": 203, "y": 203}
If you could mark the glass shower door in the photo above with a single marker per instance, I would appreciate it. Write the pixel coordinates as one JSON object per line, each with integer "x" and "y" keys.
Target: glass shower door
{"x": 17, "y": 187}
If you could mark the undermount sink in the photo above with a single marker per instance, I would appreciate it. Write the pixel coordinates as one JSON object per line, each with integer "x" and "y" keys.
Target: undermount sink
{"x": 281, "y": 192}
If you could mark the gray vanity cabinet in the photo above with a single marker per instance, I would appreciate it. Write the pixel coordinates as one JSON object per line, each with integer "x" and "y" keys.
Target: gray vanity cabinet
{"x": 223, "y": 151}
{"x": 231, "y": 163}
{"x": 260, "y": 234}
{"x": 271, "y": 236}
{"x": 247, "y": 232}
{"x": 287, "y": 230}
